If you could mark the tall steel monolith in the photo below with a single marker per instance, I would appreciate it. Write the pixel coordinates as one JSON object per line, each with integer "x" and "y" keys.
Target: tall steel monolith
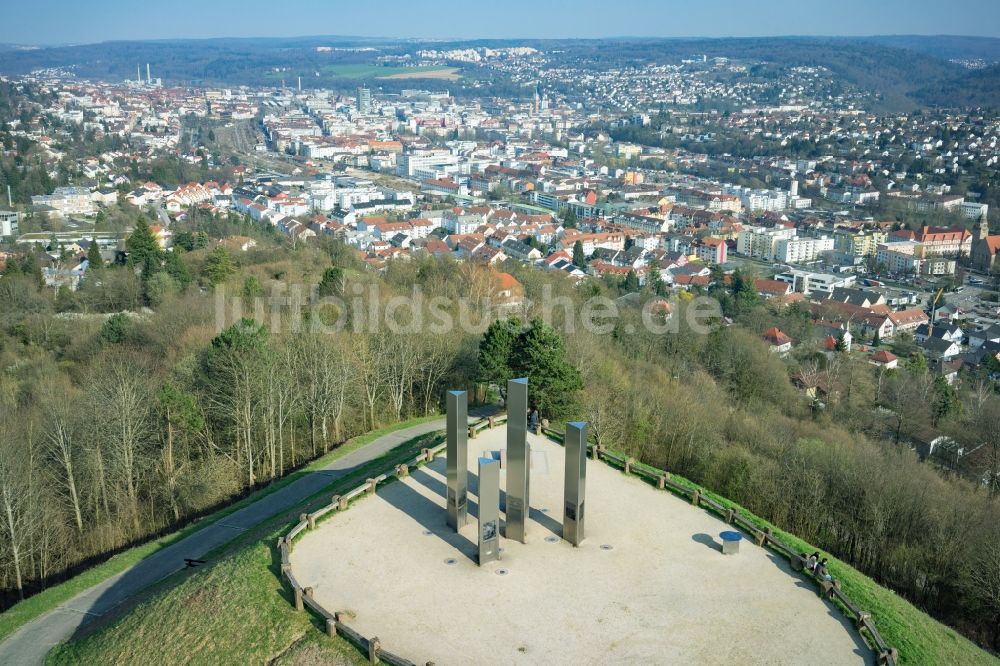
{"x": 458, "y": 458}
{"x": 518, "y": 459}
{"x": 489, "y": 510}
{"x": 576, "y": 481}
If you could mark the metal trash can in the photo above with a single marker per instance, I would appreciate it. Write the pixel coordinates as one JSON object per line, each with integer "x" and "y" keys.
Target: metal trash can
{"x": 730, "y": 542}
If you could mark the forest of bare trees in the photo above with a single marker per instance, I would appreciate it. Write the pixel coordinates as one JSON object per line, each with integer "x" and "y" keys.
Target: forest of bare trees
{"x": 115, "y": 429}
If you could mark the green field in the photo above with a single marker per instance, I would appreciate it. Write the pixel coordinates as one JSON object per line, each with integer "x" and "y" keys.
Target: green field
{"x": 367, "y": 71}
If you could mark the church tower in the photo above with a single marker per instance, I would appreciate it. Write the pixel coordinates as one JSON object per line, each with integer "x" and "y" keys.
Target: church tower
{"x": 984, "y": 227}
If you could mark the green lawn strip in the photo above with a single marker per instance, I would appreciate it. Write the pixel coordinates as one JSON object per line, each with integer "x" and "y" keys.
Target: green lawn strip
{"x": 356, "y": 443}
{"x": 158, "y": 618}
{"x": 404, "y": 453}
{"x": 917, "y": 637}
{"x": 25, "y": 611}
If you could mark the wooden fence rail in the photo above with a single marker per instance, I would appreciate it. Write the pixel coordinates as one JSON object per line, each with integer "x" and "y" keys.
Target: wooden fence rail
{"x": 884, "y": 654}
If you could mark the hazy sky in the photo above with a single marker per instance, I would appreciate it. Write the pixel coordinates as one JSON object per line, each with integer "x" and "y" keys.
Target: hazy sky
{"x": 76, "y": 21}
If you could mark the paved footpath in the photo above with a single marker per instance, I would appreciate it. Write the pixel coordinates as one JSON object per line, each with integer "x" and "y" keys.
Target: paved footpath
{"x": 29, "y": 645}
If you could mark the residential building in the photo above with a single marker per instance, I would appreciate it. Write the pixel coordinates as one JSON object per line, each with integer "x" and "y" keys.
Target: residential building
{"x": 885, "y": 359}
{"x": 778, "y": 342}
{"x": 711, "y": 251}
{"x": 761, "y": 242}
{"x": 908, "y": 320}
{"x": 66, "y": 201}
{"x": 937, "y": 242}
{"x": 802, "y": 249}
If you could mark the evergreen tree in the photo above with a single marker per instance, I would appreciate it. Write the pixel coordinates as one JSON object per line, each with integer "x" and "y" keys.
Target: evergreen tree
{"x": 654, "y": 280}
{"x": 540, "y": 355}
{"x": 142, "y": 246}
{"x": 157, "y": 287}
{"x": 94, "y": 260}
{"x": 184, "y": 239}
{"x": 11, "y": 269}
{"x": 496, "y": 351}
{"x": 177, "y": 269}
{"x": 946, "y": 400}
{"x": 252, "y": 288}
{"x": 65, "y": 299}
{"x": 569, "y": 218}
{"x": 33, "y": 268}
{"x": 579, "y": 259}
{"x": 631, "y": 282}
{"x": 917, "y": 364}
{"x": 246, "y": 341}
{"x": 115, "y": 329}
{"x": 219, "y": 266}
{"x": 332, "y": 282}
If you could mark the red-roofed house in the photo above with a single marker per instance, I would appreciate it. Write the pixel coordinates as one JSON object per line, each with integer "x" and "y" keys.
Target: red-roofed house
{"x": 907, "y": 320}
{"x": 885, "y": 359}
{"x": 508, "y": 292}
{"x": 778, "y": 341}
{"x": 772, "y": 288}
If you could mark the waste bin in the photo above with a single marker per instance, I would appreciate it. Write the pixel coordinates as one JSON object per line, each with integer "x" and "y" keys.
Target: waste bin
{"x": 730, "y": 542}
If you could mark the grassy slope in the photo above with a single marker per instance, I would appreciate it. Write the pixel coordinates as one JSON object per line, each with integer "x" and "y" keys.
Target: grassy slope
{"x": 27, "y": 610}
{"x": 235, "y": 610}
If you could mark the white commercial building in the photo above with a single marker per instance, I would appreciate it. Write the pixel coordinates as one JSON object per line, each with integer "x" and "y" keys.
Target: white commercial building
{"x": 8, "y": 223}
{"x": 432, "y": 161}
{"x": 809, "y": 282}
{"x": 974, "y": 210}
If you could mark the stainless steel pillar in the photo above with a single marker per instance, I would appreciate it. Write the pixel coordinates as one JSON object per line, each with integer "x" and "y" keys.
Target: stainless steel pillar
{"x": 489, "y": 510}
{"x": 576, "y": 481}
{"x": 518, "y": 459}
{"x": 458, "y": 458}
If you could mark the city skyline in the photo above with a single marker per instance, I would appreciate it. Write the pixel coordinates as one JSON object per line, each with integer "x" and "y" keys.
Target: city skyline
{"x": 60, "y": 22}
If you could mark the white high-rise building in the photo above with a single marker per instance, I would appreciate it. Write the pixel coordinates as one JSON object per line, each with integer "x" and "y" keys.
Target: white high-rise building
{"x": 364, "y": 100}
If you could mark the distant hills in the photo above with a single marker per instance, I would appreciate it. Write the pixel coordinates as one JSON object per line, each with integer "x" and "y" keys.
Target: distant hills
{"x": 946, "y": 47}
{"x": 907, "y": 71}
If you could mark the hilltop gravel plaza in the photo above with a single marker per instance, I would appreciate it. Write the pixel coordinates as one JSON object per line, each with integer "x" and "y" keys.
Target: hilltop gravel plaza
{"x": 649, "y": 583}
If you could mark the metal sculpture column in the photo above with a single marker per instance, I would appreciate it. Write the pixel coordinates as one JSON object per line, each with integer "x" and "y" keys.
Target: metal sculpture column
{"x": 576, "y": 481}
{"x": 489, "y": 510}
{"x": 518, "y": 459}
{"x": 458, "y": 458}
